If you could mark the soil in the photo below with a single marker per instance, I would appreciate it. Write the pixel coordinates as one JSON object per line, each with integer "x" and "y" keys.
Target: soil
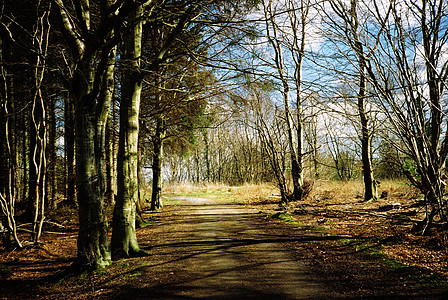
{"x": 211, "y": 249}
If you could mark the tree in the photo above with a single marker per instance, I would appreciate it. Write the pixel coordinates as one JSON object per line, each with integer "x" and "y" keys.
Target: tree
{"x": 273, "y": 34}
{"x": 91, "y": 38}
{"x": 410, "y": 74}
{"x": 112, "y": 149}
{"x": 25, "y": 35}
{"x": 286, "y": 29}
{"x": 157, "y": 163}
{"x": 347, "y": 26}
{"x": 69, "y": 151}
{"x": 124, "y": 240}
{"x": 298, "y": 19}
{"x": 402, "y": 53}
{"x": 38, "y": 115}
{"x": 370, "y": 185}
{"x": 8, "y": 192}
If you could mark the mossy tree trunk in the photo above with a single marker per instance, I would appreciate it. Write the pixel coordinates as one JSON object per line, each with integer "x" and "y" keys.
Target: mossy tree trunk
{"x": 93, "y": 242}
{"x": 91, "y": 118}
{"x": 124, "y": 240}
{"x": 91, "y": 43}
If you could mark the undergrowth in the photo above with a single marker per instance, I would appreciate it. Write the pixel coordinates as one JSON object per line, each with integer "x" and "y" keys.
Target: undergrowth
{"x": 372, "y": 247}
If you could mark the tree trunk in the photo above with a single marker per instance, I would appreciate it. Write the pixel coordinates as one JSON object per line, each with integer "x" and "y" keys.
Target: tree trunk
{"x": 298, "y": 24}
{"x": 370, "y": 185}
{"x": 111, "y": 154}
{"x": 69, "y": 140}
{"x": 206, "y": 154}
{"x": 107, "y": 93}
{"x": 38, "y": 165}
{"x": 139, "y": 221}
{"x": 279, "y": 64}
{"x": 91, "y": 118}
{"x": 51, "y": 154}
{"x": 93, "y": 242}
{"x": 91, "y": 44}
{"x": 109, "y": 194}
{"x": 7, "y": 157}
{"x": 124, "y": 239}
{"x": 156, "y": 198}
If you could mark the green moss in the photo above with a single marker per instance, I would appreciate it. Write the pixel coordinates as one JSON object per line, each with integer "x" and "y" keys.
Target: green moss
{"x": 373, "y": 246}
{"x": 284, "y": 216}
{"x": 421, "y": 275}
{"x": 135, "y": 274}
{"x": 315, "y": 228}
{"x": 79, "y": 280}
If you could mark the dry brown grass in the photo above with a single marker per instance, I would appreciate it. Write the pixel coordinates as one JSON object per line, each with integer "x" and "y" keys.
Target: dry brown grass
{"x": 254, "y": 192}
{"x": 190, "y": 188}
{"x": 322, "y": 190}
{"x": 395, "y": 189}
{"x": 245, "y": 193}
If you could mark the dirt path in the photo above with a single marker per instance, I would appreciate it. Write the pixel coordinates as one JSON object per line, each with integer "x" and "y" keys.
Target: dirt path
{"x": 221, "y": 254}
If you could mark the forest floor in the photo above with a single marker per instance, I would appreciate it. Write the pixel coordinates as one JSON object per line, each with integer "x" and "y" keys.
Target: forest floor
{"x": 230, "y": 243}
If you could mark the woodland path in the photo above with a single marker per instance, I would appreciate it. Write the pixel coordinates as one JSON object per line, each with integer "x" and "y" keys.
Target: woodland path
{"x": 219, "y": 253}
{"x": 207, "y": 249}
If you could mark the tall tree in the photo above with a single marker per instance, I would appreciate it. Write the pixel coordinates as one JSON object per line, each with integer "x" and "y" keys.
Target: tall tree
{"x": 288, "y": 40}
{"x": 69, "y": 147}
{"x": 298, "y": 12}
{"x": 273, "y": 35}
{"x": 8, "y": 164}
{"x": 353, "y": 32}
{"x": 39, "y": 160}
{"x": 410, "y": 74}
{"x": 124, "y": 240}
{"x": 91, "y": 38}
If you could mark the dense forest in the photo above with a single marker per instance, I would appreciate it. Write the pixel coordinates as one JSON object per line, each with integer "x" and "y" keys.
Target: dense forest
{"x": 102, "y": 99}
